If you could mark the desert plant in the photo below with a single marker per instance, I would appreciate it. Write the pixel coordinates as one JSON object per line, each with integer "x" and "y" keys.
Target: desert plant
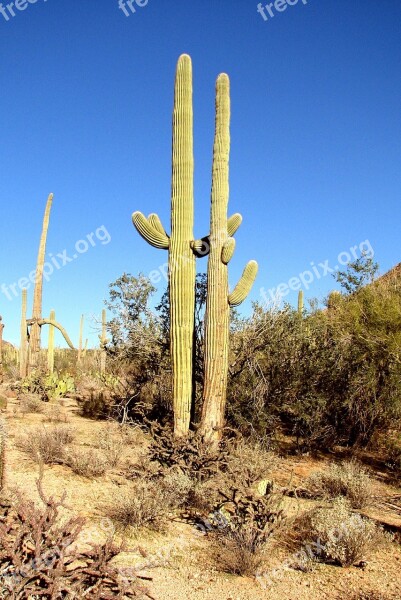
{"x": 348, "y": 479}
{"x": 87, "y": 462}
{"x": 39, "y": 557}
{"x": 181, "y": 255}
{"x": 192, "y": 455}
{"x": 336, "y": 534}
{"x": 31, "y": 403}
{"x": 50, "y": 344}
{"x": 219, "y": 300}
{"x": 112, "y": 443}
{"x": 47, "y": 444}
{"x": 143, "y": 504}
{"x": 247, "y": 521}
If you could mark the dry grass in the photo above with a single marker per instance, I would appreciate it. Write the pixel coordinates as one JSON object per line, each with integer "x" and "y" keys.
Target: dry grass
{"x": 143, "y": 504}
{"x": 47, "y": 444}
{"x": 348, "y": 479}
{"x": 86, "y": 462}
{"x": 112, "y": 444}
{"x": 55, "y": 414}
{"x": 31, "y": 403}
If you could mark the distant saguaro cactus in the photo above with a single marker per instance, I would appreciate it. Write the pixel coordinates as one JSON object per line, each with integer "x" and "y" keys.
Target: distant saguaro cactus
{"x": 34, "y": 339}
{"x": 179, "y": 245}
{"x": 103, "y": 342}
{"x": 50, "y": 344}
{"x": 36, "y": 322}
{"x": 81, "y": 334}
{"x": 219, "y": 300}
{"x": 300, "y": 302}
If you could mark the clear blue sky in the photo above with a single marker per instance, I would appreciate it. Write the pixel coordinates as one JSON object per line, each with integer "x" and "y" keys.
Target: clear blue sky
{"x": 85, "y": 112}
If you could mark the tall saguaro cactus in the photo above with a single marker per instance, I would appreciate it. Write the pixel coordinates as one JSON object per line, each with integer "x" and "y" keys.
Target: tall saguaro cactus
{"x": 34, "y": 340}
{"x": 221, "y": 250}
{"x": 179, "y": 245}
{"x": 36, "y": 322}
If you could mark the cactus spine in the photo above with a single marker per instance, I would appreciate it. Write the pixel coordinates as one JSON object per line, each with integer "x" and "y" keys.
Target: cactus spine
{"x": 181, "y": 255}
{"x": 221, "y": 250}
{"x": 50, "y": 345}
{"x": 23, "y": 348}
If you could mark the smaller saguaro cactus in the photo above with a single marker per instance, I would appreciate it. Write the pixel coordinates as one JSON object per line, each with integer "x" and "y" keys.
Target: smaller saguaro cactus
{"x": 300, "y": 302}
{"x": 219, "y": 300}
{"x": 50, "y": 346}
{"x": 103, "y": 342}
{"x": 23, "y": 348}
{"x": 81, "y": 335}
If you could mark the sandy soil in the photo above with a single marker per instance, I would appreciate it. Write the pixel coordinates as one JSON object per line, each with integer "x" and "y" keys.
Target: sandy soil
{"x": 180, "y": 560}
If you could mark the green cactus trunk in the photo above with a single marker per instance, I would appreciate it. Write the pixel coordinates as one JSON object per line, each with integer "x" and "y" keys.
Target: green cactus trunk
{"x": 300, "y": 302}
{"x": 50, "y": 345}
{"x": 221, "y": 250}
{"x": 34, "y": 339}
{"x": 23, "y": 348}
{"x": 181, "y": 257}
{"x": 181, "y": 254}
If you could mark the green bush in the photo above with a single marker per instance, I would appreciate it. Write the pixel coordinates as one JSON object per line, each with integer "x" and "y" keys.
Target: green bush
{"x": 330, "y": 377}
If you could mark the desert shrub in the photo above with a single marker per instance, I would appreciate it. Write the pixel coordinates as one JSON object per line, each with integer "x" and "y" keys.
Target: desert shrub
{"x": 348, "y": 479}
{"x": 393, "y": 452}
{"x": 112, "y": 443}
{"x": 47, "y": 444}
{"x": 31, "y": 403}
{"x": 87, "y": 462}
{"x": 337, "y": 535}
{"x": 244, "y": 525}
{"x": 191, "y": 455}
{"x": 143, "y": 504}
{"x": 55, "y": 414}
{"x": 327, "y": 377}
{"x": 39, "y": 557}
{"x": 249, "y": 463}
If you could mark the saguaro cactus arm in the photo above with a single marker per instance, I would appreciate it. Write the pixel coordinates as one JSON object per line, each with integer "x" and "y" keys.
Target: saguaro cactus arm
{"x": 41, "y": 322}
{"x": 201, "y": 247}
{"x": 154, "y": 220}
{"x": 149, "y": 232}
{"x": 228, "y": 250}
{"x": 244, "y": 285}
